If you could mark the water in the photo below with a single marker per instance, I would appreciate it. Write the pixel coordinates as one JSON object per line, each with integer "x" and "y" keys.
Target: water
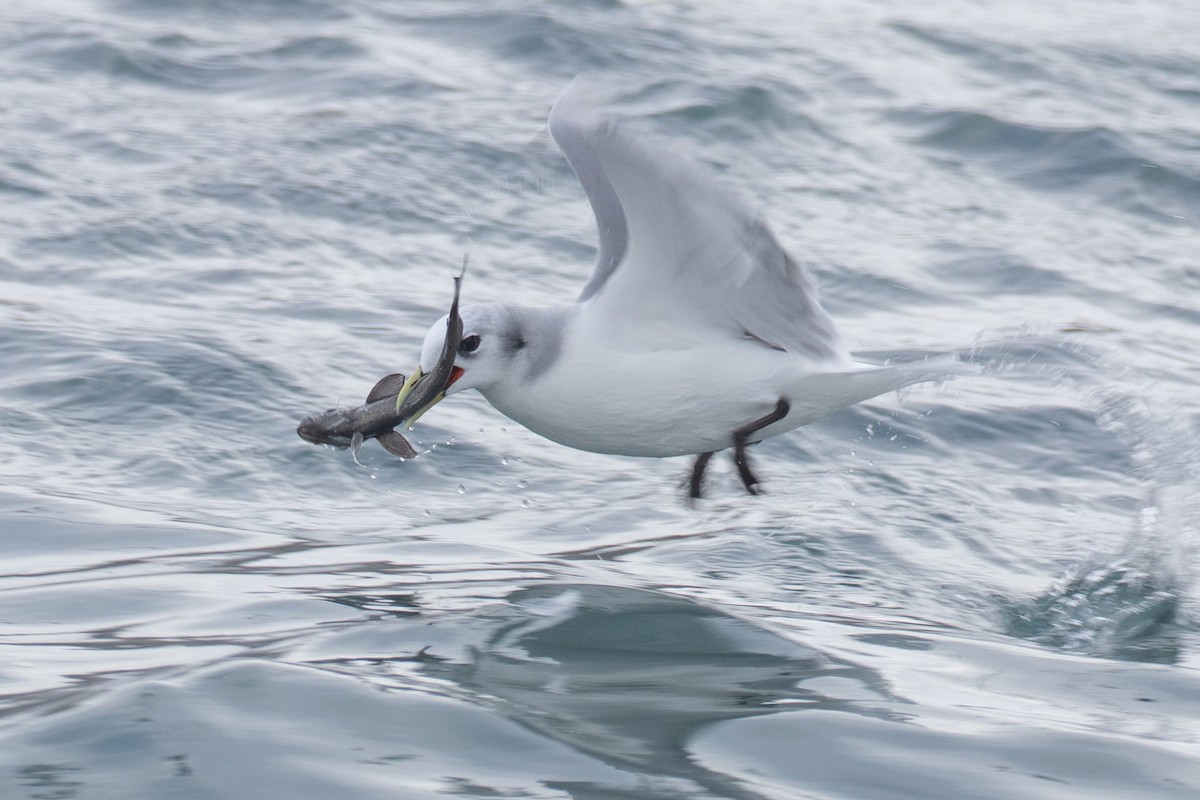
{"x": 219, "y": 217}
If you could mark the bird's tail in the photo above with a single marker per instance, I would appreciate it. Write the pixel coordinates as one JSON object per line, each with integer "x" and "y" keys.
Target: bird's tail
{"x": 837, "y": 390}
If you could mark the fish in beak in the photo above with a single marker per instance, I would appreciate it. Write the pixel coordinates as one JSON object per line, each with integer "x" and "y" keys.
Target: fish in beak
{"x": 423, "y": 390}
{"x": 374, "y": 419}
{"x": 392, "y": 401}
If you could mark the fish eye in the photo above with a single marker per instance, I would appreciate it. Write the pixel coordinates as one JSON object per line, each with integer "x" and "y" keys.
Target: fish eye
{"x": 470, "y": 344}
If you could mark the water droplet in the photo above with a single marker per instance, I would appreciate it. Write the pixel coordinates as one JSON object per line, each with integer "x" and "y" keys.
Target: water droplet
{"x": 462, "y": 489}
{"x": 503, "y": 461}
{"x": 525, "y": 502}
{"x": 521, "y": 484}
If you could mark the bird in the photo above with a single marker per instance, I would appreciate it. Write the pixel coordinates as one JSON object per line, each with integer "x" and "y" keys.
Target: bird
{"x": 697, "y": 332}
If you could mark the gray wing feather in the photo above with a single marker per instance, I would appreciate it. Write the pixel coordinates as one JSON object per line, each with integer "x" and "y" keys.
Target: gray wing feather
{"x": 677, "y": 245}
{"x": 571, "y": 126}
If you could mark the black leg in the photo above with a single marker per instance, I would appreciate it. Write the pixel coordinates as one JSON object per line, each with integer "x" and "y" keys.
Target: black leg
{"x": 741, "y": 438}
{"x": 698, "y": 474}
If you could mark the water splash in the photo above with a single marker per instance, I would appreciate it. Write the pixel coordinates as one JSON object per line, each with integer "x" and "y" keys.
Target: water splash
{"x": 1130, "y": 603}
{"x": 1119, "y": 608}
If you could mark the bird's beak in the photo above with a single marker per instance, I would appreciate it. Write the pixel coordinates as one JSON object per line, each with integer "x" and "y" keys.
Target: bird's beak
{"x": 408, "y": 386}
{"x": 406, "y": 390}
{"x": 413, "y": 419}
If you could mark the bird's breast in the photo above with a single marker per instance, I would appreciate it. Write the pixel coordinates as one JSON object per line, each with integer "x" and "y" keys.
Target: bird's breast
{"x": 642, "y": 401}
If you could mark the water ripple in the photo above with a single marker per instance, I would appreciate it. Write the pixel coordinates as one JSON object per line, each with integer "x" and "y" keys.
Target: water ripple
{"x": 1097, "y": 159}
{"x": 223, "y": 216}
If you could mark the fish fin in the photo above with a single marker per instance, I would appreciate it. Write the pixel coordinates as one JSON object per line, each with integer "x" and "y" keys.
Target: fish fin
{"x": 396, "y": 444}
{"x": 388, "y": 386}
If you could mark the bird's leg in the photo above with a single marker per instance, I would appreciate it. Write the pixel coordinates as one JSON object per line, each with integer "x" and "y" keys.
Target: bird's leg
{"x": 741, "y": 438}
{"x": 697, "y": 480}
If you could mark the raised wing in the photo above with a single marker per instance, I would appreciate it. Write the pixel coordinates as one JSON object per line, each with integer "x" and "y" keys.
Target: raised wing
{"x": 679, "y": 249}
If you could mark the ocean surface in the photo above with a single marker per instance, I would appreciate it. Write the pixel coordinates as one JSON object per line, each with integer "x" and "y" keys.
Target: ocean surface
{"x": 220, "y": 216}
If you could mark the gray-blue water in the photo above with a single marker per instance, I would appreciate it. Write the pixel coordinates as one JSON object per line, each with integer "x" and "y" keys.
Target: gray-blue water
{"x": 218, "y": 216}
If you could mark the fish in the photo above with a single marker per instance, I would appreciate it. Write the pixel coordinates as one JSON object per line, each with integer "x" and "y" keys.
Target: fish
{"x": 393, "y": 400}
{"x": 377, "y": 419}
{"x": 419, "y": 392}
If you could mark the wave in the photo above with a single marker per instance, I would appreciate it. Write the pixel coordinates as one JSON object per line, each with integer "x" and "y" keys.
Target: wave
{"x": 180, "y": 62}
{"x": 1093, "y": 160}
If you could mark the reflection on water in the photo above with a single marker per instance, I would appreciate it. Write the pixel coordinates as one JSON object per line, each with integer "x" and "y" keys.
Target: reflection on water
{"x": 224, "y": 216}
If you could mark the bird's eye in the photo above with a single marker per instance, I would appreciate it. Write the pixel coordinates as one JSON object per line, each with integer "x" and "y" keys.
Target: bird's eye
{"x": 469, "y": 344}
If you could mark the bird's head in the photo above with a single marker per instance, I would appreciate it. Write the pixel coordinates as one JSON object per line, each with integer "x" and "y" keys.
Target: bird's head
{"x": 489, "y": 345}
{"x": 487, "y": 351}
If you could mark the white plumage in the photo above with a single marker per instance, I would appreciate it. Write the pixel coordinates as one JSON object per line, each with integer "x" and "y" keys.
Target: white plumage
{"x": 694, "y": 324}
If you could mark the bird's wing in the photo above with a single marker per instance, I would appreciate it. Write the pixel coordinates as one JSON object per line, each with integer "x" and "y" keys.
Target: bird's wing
{"x": 679, "y": 249}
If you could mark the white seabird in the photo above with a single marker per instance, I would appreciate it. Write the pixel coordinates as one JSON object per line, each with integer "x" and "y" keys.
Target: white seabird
{"x": 697, "y": 331}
